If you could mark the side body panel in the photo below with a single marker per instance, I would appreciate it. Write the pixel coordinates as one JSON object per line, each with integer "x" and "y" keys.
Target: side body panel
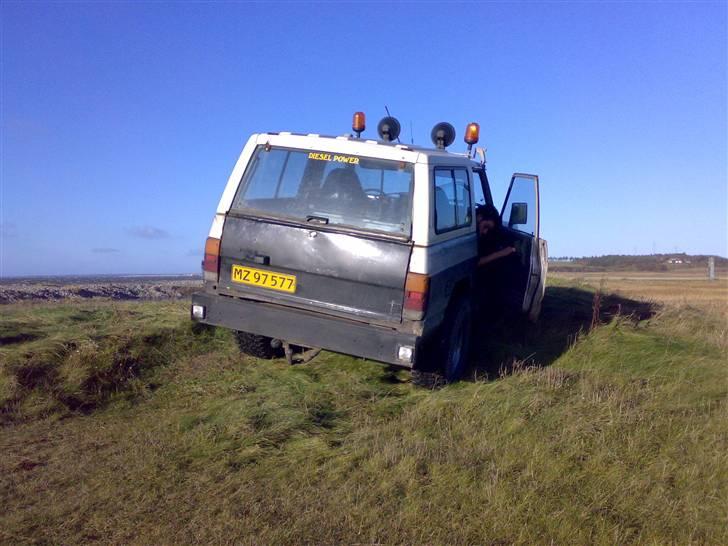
{"x": 449, "y": 258}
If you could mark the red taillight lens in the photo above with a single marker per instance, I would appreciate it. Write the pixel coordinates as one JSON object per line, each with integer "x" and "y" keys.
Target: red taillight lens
{"x": 415, "y": 301}
{"x": 212, "y": 256}
{"x": 415, "y": 295}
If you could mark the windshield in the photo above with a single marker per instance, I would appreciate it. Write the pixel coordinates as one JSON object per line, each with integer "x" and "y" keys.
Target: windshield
{"x": 328, "y": 188}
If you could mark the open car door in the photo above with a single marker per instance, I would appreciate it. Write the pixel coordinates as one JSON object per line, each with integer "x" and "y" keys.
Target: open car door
{"x": 520, "y": 218}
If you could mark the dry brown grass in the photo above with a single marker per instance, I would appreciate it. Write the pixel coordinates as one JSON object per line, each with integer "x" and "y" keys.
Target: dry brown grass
{"x": 692, "y": 305}
{"x": 685, "y": 289}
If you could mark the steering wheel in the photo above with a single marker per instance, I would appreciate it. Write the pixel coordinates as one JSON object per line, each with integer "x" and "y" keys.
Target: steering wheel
{"x": 375, "y": 193}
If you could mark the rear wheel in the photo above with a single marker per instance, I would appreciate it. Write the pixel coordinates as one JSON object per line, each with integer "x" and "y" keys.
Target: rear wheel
{"x": 255, "y": 345}
{"x": 456, "y": 339}
{"x": 428, "y": 380}
{"x": 449, "y": 357}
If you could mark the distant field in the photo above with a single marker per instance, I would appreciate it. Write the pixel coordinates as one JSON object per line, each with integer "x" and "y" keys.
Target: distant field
{"x": 607, "y": 423}
{"x": 689, "y": 287}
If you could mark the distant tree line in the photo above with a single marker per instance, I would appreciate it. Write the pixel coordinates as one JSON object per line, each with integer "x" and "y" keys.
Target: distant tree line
{"x": 646, "y": 262}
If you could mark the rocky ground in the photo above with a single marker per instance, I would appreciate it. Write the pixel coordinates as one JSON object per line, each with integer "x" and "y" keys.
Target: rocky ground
{"x": 111, "y": 287}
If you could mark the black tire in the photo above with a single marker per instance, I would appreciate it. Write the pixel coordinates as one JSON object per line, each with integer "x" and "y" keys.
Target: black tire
{"x": 441, "y": 363}
{"x": 456, "y": 339}
{"x": 255, "y": 345}
{"x": 427, "y": 380}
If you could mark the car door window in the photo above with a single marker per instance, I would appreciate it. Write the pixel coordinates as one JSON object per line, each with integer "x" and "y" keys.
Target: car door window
{"x": 462, "y": 197}
{"x": 453, "y": 208}
{"x": 478, "y": 194}
{"x": 444, "y": 201}
{"x": 520, "y": 210}
{"x": 482, "y": 197}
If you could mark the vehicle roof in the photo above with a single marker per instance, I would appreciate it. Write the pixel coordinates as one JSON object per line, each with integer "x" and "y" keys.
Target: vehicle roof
{"x": 370, "y": 147}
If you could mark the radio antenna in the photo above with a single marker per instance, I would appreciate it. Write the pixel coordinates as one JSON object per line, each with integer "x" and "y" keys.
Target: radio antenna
{"x": 390, "y": 115}
{"x": 412, "y": 135}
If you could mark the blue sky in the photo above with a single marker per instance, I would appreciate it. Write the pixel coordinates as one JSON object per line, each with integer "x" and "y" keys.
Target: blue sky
{"x": 122, "y": 121}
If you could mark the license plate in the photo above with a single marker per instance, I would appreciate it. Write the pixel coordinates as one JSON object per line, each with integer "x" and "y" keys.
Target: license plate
{"x": 266, "y": 279}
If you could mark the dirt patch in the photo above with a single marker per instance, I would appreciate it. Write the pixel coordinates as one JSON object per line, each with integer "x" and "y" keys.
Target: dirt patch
{"x": 18, "y": 338}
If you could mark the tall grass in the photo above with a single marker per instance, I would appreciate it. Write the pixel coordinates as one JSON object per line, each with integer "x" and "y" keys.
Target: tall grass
{"x": 621, "y": 439}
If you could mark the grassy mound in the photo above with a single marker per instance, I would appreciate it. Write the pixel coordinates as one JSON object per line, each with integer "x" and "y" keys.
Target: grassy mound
{"x": 61, "y": 359}
{"x": 621, "y": 438}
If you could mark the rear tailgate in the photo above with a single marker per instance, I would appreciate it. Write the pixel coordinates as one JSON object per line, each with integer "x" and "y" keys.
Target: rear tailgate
{"x": 357, "y": 275}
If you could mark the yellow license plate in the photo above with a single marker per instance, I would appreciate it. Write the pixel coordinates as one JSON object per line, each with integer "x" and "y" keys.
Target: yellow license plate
{"x": 261, "y": 277}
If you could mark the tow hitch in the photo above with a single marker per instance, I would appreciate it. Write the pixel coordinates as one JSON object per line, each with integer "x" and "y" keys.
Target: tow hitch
{"x": 297, "y": 358}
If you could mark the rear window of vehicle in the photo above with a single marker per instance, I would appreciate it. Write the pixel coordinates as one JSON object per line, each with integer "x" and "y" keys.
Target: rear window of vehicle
{"x": 325, "y": 187}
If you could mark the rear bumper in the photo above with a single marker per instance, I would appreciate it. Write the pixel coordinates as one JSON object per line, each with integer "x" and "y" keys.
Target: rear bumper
{"x": 307, "y": 328}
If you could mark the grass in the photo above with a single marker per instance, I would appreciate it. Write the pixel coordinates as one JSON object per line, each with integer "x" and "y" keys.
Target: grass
{"x": 58, "y": 359}
{"x": 689, "y": 287}
{"x": 573, "y": 431}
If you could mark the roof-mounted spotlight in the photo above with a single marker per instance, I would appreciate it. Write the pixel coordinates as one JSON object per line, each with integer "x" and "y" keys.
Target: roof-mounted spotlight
{"x": 389, "y": 129}
{"x": 442, "y": 135}
{"x": 472, "y": 135}
{"x": 359, "y": 123}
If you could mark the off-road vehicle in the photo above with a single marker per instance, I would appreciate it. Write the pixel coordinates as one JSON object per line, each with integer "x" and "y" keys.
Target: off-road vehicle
{"x": 363, "y": 247}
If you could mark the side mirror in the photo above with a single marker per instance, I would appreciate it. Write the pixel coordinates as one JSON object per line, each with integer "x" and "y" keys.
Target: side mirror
{"x": 519, "y": 214}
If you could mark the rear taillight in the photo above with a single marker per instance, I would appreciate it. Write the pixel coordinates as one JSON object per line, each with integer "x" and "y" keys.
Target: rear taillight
{"x": 415, "y": 296}
{"x": 211, "y": 263}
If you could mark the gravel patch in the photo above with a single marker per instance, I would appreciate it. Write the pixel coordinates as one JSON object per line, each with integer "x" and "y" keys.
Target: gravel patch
{"x": 114, "y": 288}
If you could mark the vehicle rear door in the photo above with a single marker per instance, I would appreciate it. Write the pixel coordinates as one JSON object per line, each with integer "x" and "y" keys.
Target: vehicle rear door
{"x": 520, "y": 217}
{"x": 306, "y": 260}
{"x": 335, "y": 271}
